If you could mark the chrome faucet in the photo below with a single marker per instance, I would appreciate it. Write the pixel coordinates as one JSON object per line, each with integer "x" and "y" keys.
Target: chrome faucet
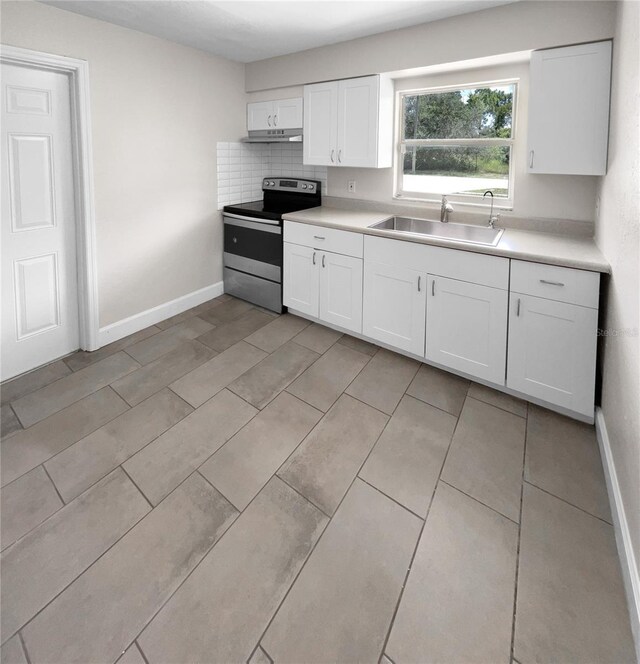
{"x": 492, "y": 219}
{"x": 445, "y": 208}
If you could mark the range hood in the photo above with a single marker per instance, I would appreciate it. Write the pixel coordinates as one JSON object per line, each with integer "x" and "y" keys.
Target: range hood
{"x": 274, "y": 136}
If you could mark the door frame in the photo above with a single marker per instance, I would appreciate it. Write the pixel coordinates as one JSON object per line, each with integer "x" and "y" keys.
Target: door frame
{"x": 86, "y": 254}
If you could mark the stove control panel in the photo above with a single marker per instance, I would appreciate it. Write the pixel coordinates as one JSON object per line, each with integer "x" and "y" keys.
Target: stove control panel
{"x": 291, "y": 184}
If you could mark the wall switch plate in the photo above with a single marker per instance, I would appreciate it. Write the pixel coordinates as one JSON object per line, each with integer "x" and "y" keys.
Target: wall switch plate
{"x": 351, "y": 187}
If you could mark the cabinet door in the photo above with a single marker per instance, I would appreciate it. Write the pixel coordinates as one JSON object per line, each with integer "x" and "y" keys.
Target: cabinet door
{"x": 300, "y": 287}
{"x": 320, "y": 123}
{"x": 287, "y": 113}
{"x": 341, "y": 291}
{"x": 467, "y": 327}
{"x": 260, "y": 115}
{"x": 394, "y": 306}
{"x": 358, "y": 122}
{"x": 569, "y": 109}
{"x": 552, "y": 351}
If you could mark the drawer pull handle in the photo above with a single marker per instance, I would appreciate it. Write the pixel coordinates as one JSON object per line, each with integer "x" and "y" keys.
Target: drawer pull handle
{"x": 323, "y": 257}
{"x": 551, "y": 283}
{"x": 314, "y": 258}
{"x": 332, "y": 159}
{"x": 518, "y": 308}
{"x": 339, "y": 156}
{"x": 269, "y": 120}
{"x": 419, "y": 284}
{"x": 318, "y": 237}
{"x": 531, "y": 159}
{"x": 433, "y": 288}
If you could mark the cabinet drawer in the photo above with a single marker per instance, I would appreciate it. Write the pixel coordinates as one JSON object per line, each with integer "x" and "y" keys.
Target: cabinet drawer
{"x": 329, "y": 239}
{"x": 562, "y": 284}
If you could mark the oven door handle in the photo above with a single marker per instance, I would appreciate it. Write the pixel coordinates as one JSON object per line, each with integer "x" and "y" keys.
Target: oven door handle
{"x": 265, "y": 225}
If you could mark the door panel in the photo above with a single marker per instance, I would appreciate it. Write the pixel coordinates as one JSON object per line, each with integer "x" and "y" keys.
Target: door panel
{"x": 301, "y": 279}
{"x": 341, "y": 291}
{"x": 552, "y": 351}
{"x": 320, "y": 123}
{"x": 39, "y": 283}
{"x": 394, "y": 306}
{"x": 288, "y": 113}
{"x": 467, "y": 327}
{"x": 358, "y": 122}
{"x": 260, "y": 115}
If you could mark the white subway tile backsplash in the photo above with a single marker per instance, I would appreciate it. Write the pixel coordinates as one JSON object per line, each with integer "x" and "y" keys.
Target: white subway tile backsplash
{"x": 242, "y": 167}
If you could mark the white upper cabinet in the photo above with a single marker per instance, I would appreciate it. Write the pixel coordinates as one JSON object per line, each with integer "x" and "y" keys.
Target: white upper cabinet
{"x": 349, "y": 123}
{"x": 569, "y": 110}
{"x": 278, "y": 114}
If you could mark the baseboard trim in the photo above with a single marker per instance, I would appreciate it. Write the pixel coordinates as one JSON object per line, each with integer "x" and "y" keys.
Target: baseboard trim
{"x": 630, "y": 574}
{"x": 123, "y": 328}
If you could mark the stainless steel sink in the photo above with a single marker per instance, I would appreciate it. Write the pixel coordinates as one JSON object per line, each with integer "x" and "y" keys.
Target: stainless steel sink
{"x": 450, "y": 231}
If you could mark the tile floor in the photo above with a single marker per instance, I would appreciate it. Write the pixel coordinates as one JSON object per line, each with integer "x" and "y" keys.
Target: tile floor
{"x": 233, "y": 486}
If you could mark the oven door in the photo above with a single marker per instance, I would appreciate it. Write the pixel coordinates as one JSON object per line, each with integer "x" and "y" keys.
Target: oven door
{"x": 253, "y": 247}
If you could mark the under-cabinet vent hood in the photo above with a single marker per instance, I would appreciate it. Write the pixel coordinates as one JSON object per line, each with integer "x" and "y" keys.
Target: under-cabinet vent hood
{"x": 274, "y": 136}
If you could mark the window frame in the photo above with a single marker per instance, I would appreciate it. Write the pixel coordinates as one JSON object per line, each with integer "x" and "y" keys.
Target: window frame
{"x": 470, "y": 200}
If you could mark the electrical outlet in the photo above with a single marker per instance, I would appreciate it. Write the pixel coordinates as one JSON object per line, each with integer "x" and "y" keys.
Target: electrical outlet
{"x": 351, "y": 187}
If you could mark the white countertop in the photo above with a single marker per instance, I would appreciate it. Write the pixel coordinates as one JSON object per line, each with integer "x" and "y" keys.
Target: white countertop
{"x": 566, "y": 251}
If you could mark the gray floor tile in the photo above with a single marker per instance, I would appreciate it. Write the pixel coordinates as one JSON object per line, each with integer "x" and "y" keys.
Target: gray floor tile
{"x": 571, "y": 604}
{"x": 260, "y": 657}
{"x": 487, "y": 456}
{"x": 384, "y": 380}
{"x": 160, "y": 344}
{"x": 26, "y": 503}
{"x": 563, "y": 458}
{"x": 83, "y": 359}
{"x": 225, "y": 312}
{"x": 165, "y": 370}
{"x": 75, "y": 469}
{"x": 48, "y": 400}
{"x": 168, "y": 460}
{"x": 406, "y": 462}
{"x": 12, "y": 652}
{"x": 385, "y": 660}
{"x": 267, "y": 379}
{"x": 233, "y": 593}
{"x": 39, "y": 566}
{"x": 358, "y": 344}
{"x": 208, "y": 379}
{"x": 324, "y": 466}
{"x": 244, "y": 465}
{"x": 227, "y": 334}
{"x": 122, "y": 590}
{"x": 9, "y": 423}
{"x": 32, "y": 381}
{"x": 317, "y": 338}
{"x": 195, "y": 311}
{"x": 277, "y": 332}
{"x": 498, "y": 399}
{"x": 458, "y": 602}
{"x": 439, "y": 388}
{"x": 342, "y": 604}
{"x": 132, "y": 655}
{"x": 327, "y": 378}
{"x": 27, "y": 449}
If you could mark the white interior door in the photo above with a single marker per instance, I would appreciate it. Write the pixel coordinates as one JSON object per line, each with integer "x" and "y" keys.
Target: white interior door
{"x": 39, "y": 282}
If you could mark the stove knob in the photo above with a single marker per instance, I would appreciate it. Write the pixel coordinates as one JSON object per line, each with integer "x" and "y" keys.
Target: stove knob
{"x": 304, "y": 186}
{"x": 272, "y": 183}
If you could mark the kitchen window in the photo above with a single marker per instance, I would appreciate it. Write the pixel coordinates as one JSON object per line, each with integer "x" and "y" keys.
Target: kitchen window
{"x": 458, "y": 142}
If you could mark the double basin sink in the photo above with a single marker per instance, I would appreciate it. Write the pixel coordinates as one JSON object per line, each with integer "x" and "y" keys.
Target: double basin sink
{"x": 450, "y": 231}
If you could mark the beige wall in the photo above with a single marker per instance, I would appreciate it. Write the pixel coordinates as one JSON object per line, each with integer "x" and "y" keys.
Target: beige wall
{"x": 535, "y": 196}
{"x": 617, "y": 234}
{"x": 520, "y": 26}
{"x": 157, "y": 111}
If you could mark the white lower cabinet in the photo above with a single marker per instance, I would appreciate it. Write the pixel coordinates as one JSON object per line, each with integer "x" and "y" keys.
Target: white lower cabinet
{"x": 552, "y": 351}
{"x": 394, "y": 306}
{"x": 325, "y": 285}
{"x": 467, "y": 327}
{"x": 341, "y": 291}
{"x": 301, "y": 279}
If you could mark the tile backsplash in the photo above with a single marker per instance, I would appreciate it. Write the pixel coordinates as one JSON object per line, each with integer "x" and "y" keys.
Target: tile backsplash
{"x": 242, "y": 166}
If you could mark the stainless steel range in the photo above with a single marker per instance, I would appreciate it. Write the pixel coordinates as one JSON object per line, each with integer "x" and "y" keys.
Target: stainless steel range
{"x": 253, "y": 239}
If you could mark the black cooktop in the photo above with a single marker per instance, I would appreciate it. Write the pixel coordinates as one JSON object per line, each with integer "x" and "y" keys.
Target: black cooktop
{"x": 258, "y": 209}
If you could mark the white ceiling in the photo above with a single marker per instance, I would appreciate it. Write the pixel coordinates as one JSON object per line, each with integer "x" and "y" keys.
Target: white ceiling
{"x": 248, "y": 30}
